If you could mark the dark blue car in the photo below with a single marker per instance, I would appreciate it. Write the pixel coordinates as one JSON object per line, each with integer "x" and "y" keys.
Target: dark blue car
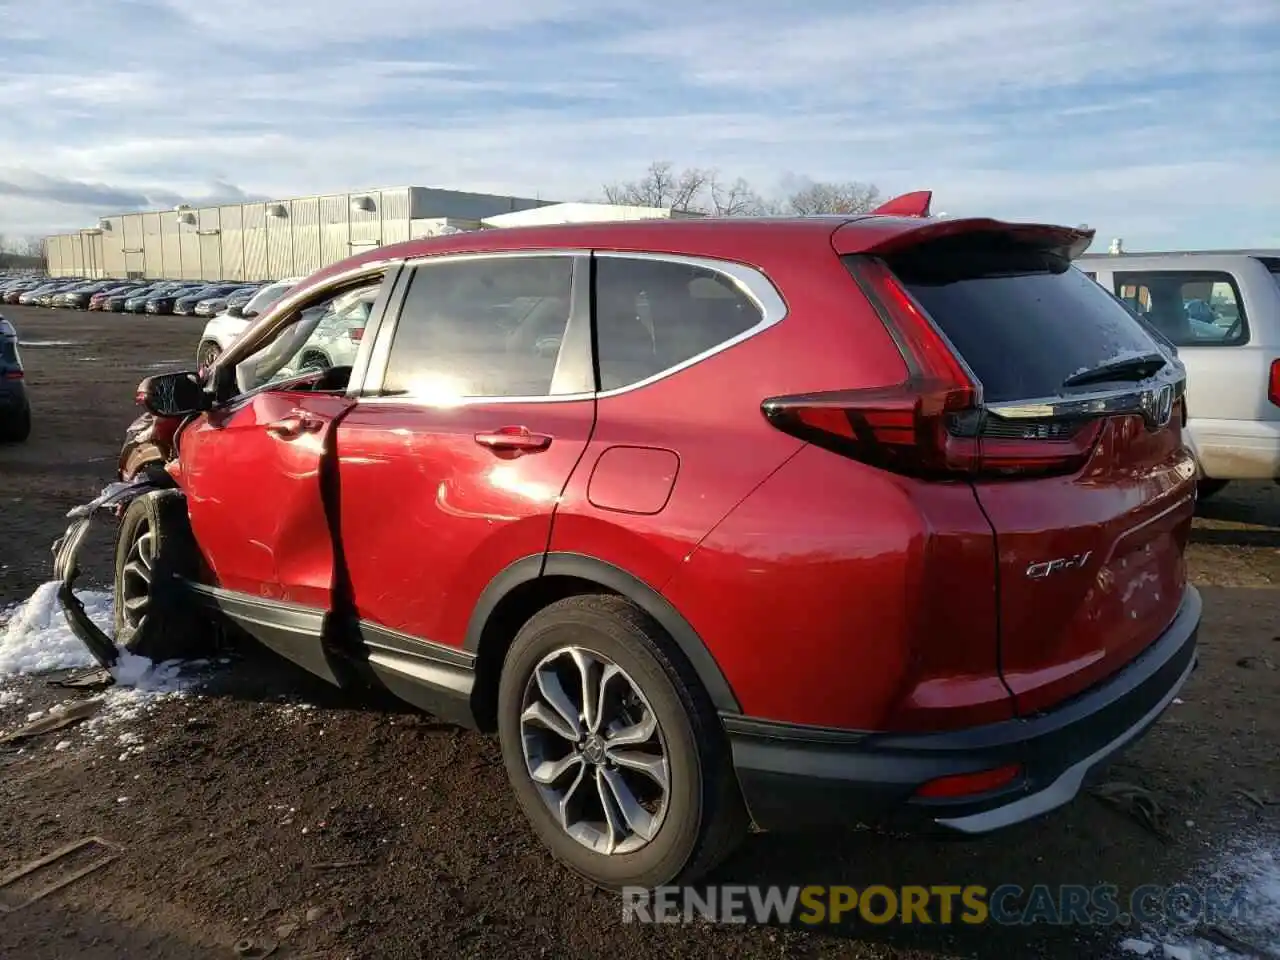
{"x": 15, "y": 410}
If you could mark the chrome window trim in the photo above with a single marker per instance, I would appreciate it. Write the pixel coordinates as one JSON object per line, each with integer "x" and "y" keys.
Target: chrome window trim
{"x": 749, "y": 281}
{"x": 381, "y": 357}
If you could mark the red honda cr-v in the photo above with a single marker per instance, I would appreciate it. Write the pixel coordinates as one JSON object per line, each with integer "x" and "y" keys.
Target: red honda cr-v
{"x": 803, "y": 521}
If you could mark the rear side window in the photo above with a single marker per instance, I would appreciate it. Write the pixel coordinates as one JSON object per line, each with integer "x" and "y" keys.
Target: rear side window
{"x": 1024, "y": 320}
{"x": 653, "y": 314}
{"x": 1192, "y": 308}
{"x": 8, "y": 351}
{"x": 482, "y": 327}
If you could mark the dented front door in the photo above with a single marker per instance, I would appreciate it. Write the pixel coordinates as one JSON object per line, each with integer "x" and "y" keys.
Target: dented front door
{"x": 256, "y": 480}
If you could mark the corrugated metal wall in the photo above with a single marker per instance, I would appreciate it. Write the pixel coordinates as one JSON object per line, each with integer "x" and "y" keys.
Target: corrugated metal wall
{"x": 153, "y": 246}
{"x": 335, "y": 229}
{"x": 232, "y": 242}
{"x": 279, "y": 241}
{"x": 113, "y": 262}
{"x": 255, "y": 242}
{"x": 240, "y": 242}
{"x": 134, "y": 257}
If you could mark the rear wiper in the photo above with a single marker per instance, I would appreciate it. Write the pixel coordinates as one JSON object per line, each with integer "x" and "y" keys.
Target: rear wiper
{"x": 1127, "y": 368}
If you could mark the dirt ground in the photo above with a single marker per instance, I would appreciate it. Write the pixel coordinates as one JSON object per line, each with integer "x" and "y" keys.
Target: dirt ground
{"x": 270, "y": 811}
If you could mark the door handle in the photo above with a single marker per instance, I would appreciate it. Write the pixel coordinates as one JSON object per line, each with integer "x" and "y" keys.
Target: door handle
{"x": 513, "y": 438}
{"x": 294, "y": 425}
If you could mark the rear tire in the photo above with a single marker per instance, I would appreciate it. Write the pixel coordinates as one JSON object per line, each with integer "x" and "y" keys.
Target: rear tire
{"x": 693, "y": 824}
{"x": 155, "y": 553}
{"x": 18, "y": 429}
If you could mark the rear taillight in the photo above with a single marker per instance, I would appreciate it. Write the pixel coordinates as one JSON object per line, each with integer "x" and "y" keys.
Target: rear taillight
{"x": 13, "y": 375}
{"x": 356, "y": 333}
{"x": 1273, "y": 383}
{"x": 933, "y": 423}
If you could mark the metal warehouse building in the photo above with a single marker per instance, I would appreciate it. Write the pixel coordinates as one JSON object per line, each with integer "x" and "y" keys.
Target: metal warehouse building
{"x": 266, "y": 240}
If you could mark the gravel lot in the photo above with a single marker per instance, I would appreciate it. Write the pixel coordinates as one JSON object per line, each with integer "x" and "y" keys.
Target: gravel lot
{"x": 267, "y": 808}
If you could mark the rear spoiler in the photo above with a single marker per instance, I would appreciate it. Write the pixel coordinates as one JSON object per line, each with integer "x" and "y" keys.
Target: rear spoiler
{"x": 883, "y": 234}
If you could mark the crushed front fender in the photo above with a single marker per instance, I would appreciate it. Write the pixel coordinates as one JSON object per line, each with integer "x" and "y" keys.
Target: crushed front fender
{"x": 65, "y": 568}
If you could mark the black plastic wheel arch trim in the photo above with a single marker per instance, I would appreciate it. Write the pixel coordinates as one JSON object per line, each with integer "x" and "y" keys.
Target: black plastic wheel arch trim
{"x": 621, "y": 582}
{"x": 65, "y": 569}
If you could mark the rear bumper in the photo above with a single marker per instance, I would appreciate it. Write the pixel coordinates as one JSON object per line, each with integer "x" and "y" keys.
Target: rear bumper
{"x": 796, "y": 777}
{"x": 1236, "y": 449}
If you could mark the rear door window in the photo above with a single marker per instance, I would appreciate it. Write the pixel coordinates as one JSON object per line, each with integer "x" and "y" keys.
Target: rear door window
{"x": 1192, "y": 308}
{"x": 1024, "y": 320}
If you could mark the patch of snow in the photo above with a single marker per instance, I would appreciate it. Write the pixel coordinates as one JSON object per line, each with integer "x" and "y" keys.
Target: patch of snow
{"x": 62, "y": 745}
{"x": 48, "y": 343}
{"x": 11, "y": 698}
{"x": 1248, "y": 868}
{"x": 36, "y": 638}
{"x": 1140, "y": 947}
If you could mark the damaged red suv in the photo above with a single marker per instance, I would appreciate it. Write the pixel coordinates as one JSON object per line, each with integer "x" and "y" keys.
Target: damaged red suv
{"x": 795, "y": 521}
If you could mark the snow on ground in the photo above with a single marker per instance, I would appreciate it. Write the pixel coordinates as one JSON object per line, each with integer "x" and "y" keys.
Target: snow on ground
{"x": 35, "y": 639}
{"x": 1250, "y": 865}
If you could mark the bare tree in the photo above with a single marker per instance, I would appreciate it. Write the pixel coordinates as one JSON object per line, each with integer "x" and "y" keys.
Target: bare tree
{"x": 829, "y": 197}
{"x": 663, "y": 186}
{"x": 737, "y": 199}
{"x": 698, "y": 190}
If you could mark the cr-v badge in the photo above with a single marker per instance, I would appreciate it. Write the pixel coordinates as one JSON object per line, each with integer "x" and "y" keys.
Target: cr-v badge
{"x": 1038, "y": 571}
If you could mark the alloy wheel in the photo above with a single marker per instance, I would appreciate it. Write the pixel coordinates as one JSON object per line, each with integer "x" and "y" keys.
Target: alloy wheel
{"x": 135, "y": 577}
{"x": 594, "y": 749}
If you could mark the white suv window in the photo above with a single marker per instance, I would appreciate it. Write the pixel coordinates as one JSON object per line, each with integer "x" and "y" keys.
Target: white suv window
{"x": 1192, "y": 308}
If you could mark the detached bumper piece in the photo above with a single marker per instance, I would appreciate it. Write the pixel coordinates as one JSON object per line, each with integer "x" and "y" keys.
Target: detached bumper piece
{"x": 66, "y": 570}
{"x": 970, "y": 781}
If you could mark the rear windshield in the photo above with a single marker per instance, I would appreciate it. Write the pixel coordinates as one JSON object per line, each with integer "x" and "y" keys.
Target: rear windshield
{"x": 1024, "y": 320}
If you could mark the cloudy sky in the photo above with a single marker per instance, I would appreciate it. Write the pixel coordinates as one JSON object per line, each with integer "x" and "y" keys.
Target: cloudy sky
{"x": 1154, "y": 120}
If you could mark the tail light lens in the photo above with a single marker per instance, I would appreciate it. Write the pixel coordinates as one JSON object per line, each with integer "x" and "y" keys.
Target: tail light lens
{"x": 356, "y": 334}
{"x": 1273, "y": 383}
{"x": 932, "y": 424}
{"x": 13, "y": 375}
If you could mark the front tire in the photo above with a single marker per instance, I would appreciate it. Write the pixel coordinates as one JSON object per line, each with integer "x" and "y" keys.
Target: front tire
{"x": 155, "y": 553}
{"x": 208, "y": 352}
{"x": 1206, "y": 487}
{"x": 613, "y": 748}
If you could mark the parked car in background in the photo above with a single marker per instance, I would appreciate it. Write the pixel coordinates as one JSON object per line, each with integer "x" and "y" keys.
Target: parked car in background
{"x": 222, "y": 330}
{"x": 83, "y": 300}
{"x": 185, "y": 305}
{"x": 1222, "y": 310}
{"x": 163, "y": 301}
{"x": 114, "y": 302}
{"x": 63, "y": 297}
{"x": 15, "y": 408}
{"x": 212, "y": 306}
{"x": 810, "y": 522}
{"x": 14, "y": 290}
{"x": 136, "y": 302}
{"x": 45, "y": 290}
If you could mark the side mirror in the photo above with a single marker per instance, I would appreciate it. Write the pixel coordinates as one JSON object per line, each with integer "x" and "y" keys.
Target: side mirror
{"x": 173, "y": 394}
{"x": 235, "y": 310}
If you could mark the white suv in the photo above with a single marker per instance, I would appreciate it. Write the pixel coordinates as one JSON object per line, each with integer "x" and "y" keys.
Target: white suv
{"x": 1222, "y": 311}
{"x": 222, "y": 330}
